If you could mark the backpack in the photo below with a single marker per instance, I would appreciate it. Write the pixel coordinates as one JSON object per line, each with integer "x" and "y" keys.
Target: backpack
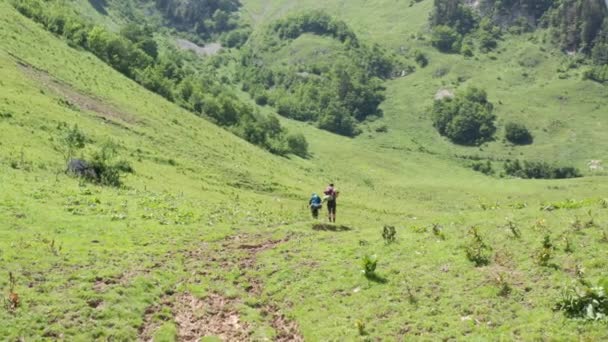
{"x": 330, "y": 193}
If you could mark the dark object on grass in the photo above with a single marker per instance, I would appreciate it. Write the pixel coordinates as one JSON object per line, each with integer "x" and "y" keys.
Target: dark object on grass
{"x": 81, "y": 168}
{"x": 330, "y": 227}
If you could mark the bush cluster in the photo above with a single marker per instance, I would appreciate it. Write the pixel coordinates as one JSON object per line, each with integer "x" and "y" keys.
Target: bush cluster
{"x": 586, "y": 301}
{"x": 315, "y": 22}
{"x": 337, "y": 95}
{"x": 539, "y": 170}
{"x": 465, "y": 119}
{"x": 518, "y": 134}
{"x": 103, "y": 167}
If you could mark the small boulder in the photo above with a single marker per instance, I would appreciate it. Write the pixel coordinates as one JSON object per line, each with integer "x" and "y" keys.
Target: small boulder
{"x": 81, "y": 168}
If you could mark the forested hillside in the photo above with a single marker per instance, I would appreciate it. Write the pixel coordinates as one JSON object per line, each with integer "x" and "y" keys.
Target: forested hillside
{"x": 574, "y": 25}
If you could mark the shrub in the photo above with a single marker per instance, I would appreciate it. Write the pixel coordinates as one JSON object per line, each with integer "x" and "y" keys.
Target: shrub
{"x": 13, "y": 301}
{"x": 438, "y": 231}
{"x": 297, "y": 144}
{"x": 476, "y": 250}
{"x": 487, "y": 41}
{"x": 236, "y": 38}
{"x": 539, "y": 170}
{"x": 368, "y": 265}
{"x": 597, "y": 73}
{"x": 102, "y": 169}
{"x": 485, "y": 168}
{"x": 513, "y": 228}
{"x": 466, "y": 119}
{"x": 421, "y": 58}
{"x": 518, "y": 134}
{"x": 446, "y": 39}
{"x": 504, "y": 287}
{"x": 73, "y": 139}
{"x": 545, "y": 253}
{"x": 466, "y": 50}
{"x": 389, "y": 234}
{"x": 585, "y": 302}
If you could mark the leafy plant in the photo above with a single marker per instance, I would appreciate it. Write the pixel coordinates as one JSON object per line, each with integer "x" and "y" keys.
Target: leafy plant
{"x": 544, "y": 255}
{"x": 360, "y": 327}
{"x": 368, "y": 265}
{"x": 477, "y": 250}
{"x": 389, "y": 234}
{"x": 512, "y": 226}
{"x": 540, "y": 225}
{"x": 421, "y": 58}
{"x": 72, "y": 140}
{"x": 438, "y": 231}
{"x": 102, "y": 168}
{"x": 13, "y": 301}
{"x": 585, "y": 302}
{"x": 504, "y": 287}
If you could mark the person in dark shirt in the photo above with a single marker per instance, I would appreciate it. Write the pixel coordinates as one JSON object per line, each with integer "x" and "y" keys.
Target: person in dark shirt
{"x": 331, "y": 195}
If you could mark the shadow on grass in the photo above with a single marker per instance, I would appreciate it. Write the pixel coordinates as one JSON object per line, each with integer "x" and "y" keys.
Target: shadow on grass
{"x": 328, "y": 227}
{"x": 376, "y": 278}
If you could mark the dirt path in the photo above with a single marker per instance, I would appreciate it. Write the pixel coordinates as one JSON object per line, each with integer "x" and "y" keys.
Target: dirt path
{"x": 77, "y": 99}
{"x": 216, "y": 315}
{"x": 196, "y": 318}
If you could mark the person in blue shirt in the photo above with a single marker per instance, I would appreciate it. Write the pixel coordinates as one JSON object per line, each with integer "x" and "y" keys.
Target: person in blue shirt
{"x": 315, "y": 204}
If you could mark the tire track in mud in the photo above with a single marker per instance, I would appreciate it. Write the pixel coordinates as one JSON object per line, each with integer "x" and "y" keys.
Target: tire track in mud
{"x": 216, "y": 315}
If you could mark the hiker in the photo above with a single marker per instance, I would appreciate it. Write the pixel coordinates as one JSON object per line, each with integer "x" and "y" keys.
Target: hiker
{"x": 315, "y": 204}
{"x": 331, "y": 194}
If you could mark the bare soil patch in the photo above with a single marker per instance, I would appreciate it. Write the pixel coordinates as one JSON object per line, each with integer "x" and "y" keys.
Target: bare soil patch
{"x": 207, "y": 50}
{"x": 196, "y": 318}
{"x": 217, "y": 315}
{"x": 74, "y": 98}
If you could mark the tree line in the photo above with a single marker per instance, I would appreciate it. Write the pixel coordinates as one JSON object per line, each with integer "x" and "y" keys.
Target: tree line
{"x": 336, "y": 95}
{"x": 575, "y": 26}
{"x": 206, "y": 19}
{"x": 176, "y": 75}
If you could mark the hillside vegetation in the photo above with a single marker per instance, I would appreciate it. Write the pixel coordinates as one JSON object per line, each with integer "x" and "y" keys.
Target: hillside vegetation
{"x": 150, "y": 193}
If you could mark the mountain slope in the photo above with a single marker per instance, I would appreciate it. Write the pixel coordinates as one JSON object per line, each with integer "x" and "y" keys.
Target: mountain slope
{"x": 211, "y": 236}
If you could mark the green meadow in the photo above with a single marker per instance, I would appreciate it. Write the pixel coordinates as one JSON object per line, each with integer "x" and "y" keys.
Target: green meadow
{"x": 210, "y": 237}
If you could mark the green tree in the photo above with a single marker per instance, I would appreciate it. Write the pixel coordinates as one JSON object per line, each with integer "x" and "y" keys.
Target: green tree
{"x": 446, "y": 39}
{"x": 297, "y": 144}
{"x": 518, "y": 134}
{"x": 466, "y": 119}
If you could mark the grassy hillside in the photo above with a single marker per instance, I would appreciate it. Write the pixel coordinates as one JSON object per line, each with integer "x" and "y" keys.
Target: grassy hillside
{"x": 527, "y": 79}
{"x": 211, "y": 236}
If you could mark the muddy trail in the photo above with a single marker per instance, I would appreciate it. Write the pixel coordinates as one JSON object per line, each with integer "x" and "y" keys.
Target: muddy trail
{"x": 217, "y": 314}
